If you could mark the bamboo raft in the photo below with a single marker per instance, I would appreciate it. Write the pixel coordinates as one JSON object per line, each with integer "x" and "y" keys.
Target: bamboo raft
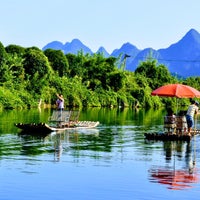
{"x": 58, "y": 121}
{"x": 171, "y": 136}
{"x": 174, "y": 129}
{"x": 45, "y": 128}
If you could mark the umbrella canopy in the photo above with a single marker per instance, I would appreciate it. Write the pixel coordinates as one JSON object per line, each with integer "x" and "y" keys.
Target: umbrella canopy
{"x": 176, "y": 90}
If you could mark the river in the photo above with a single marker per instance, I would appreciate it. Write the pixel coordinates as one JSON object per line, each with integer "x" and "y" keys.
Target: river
{"x": 112, "y": 161}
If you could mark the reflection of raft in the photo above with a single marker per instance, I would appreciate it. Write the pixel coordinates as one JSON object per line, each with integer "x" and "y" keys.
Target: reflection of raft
{"x": 166, "y": 137}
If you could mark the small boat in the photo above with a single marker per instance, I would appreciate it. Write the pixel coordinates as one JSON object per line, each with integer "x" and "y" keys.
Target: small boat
{"x": 59, "y": 121}
{"x": 45, "y": 128}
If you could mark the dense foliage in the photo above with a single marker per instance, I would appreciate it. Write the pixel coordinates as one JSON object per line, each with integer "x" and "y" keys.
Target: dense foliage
{"x": 30, "y": 75}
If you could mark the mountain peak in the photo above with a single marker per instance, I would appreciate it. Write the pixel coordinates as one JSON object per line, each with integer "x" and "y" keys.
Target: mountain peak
{"x": 192, "y": 31}
{"x": 128, "y": 49}
{"x": 127, "y": 44}
{"x": 57, "y": 45}
{"x": 75, "y": 46}
{"x": 190, "y": 42}
{"x": 76, "y": 41}
{"x": 103, "y": 51}
{"x": 179, "y": 57}
{"x": 192, "y": 35}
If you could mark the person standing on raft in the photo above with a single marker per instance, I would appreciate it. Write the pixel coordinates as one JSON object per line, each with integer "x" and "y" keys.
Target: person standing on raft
{"x": 192, "y": 110}
{"x": 60, "y": 102}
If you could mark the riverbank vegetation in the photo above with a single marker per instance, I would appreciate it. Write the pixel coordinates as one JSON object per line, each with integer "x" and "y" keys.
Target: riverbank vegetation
{"x": 29, "y": 76}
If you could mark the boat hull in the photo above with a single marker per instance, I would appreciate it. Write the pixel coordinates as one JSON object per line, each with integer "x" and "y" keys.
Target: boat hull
{"x": 45, "y": 128}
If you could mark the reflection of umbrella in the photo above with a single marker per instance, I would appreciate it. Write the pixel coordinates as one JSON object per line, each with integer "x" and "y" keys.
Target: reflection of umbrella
{"x": 176, "y": 90}
{"x": 176, "y": 179}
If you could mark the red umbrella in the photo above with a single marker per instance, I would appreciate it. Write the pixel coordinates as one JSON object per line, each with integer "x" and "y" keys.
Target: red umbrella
{"x": 176, "y": 90}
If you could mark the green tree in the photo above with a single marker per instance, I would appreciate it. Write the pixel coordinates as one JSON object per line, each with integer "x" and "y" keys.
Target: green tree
{"x": 36, "y": 62}
{"x": 38, "y": 72}
{"x": 76, "y": 64}
{"x": 5, "y": 74}
{"x": 157, "y": 75}
{"x": 58, "y": 61}
{"x": 15, "y": 49}
{"x": 117, "y": 80}
{"x": 193, "y": 82}
{"x": 98, "y": 71}
{"x": 3, "y": 55}
{"x": 15, "y": 62}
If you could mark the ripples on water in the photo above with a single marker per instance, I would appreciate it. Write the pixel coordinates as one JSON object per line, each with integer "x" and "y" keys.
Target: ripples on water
{"x": 110, "y": 162}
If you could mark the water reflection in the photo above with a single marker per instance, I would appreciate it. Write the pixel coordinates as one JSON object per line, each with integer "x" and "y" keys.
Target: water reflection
{"x": 57, "y": 142}
{"x": 173, "y": 177}
{"x": 71, "y": 139}
{"x": 113, "y": 160}
{"x": 58, "y": 146}
{"x": 32, "y": 144}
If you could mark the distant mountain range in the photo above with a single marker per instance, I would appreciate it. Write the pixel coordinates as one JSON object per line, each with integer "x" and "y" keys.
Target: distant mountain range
{"x": 181, "y": 58}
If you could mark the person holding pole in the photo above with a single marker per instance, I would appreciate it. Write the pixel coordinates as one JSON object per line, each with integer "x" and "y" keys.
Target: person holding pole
{"x": 192, "y": 110}
{"x": 60, "y": 102}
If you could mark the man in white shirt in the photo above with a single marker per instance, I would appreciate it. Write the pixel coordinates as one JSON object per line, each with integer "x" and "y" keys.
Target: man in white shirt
{"x": 192, "y": 110}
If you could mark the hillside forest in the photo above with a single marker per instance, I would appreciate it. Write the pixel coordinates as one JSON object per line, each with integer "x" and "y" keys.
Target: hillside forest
{"x": 29, "y": 76}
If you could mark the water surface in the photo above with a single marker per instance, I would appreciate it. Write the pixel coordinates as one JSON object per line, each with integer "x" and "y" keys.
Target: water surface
{"x": 112, "y": 161}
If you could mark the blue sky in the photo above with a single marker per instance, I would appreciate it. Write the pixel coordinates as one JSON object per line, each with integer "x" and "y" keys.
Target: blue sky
{"x": 107, "y": 23}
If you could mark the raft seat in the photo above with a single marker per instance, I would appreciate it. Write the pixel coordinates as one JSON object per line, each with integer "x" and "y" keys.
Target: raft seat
{"x": 60, "y": 117}
{"x": 170, "y": 124}
{"x": 74, "y": 117}
{"x": 181, "y": 125}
